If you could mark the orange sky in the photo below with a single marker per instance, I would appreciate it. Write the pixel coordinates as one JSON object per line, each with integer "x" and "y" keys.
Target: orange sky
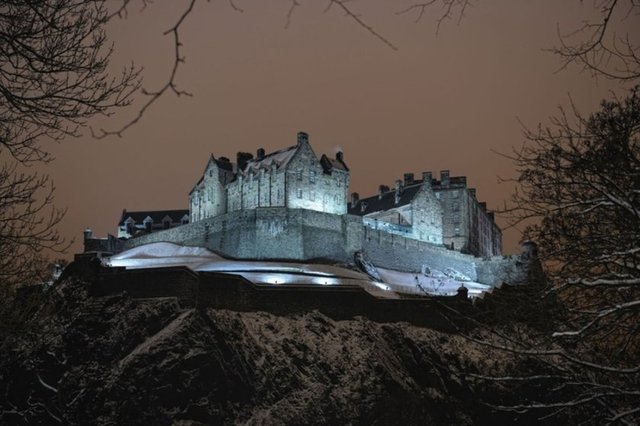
{"x": 444, "y": 102}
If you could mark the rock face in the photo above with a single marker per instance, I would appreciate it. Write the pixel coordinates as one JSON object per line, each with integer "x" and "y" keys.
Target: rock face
{"x": 118, "y": 360}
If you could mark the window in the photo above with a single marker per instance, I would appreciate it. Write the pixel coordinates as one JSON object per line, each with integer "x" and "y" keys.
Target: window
{"x": 299, "y": 193}
{"x": 338, "y": 182}
{"x": 312, "y": 196}
{"x": 166, "y": 224}
{"x": 299, "y": 174}
{"x": 312, "y": 176}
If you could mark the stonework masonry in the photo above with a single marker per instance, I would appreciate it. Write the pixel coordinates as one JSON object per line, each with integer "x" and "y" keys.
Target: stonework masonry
{"x": 300, "y": 234}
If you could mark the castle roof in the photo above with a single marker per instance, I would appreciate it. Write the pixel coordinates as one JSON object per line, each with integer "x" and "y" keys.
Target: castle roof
{"x": 328, "y": 164}
{"x": 156, "y": 215}
{"x": 387, "y": 201}
{"x": 280, "y": 158}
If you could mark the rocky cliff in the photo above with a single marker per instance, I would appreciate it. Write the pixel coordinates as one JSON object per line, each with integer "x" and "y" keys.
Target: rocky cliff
{"x": 78, "y": 359}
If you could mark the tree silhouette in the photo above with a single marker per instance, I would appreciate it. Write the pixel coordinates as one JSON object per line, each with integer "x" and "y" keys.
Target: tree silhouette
{"x": 579, "y": 193}
{"x": 54, "y": 76}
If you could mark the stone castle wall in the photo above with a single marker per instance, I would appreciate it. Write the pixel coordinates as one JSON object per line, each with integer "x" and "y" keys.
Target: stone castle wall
{"x": 406, "y": 254}
{"x": 268, "y": 233}
{"x": 298, "y": 234}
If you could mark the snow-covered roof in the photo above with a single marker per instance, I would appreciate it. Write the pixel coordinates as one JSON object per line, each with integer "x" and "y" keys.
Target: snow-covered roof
{"x": 280, "y": 158}
{"x": 157, "y": 216}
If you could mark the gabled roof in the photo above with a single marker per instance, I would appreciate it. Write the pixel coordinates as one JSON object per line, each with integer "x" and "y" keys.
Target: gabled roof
{"x": 376, "y": 203}
{"x": 329, "y": 164}
{"x": 222, "y": 162}
{"x": 280, "y": 158}
{"x": 157, "y": 215}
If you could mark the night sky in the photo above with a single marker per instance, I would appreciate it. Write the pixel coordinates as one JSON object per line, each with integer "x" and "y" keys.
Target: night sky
{"x": 444, "y": 101}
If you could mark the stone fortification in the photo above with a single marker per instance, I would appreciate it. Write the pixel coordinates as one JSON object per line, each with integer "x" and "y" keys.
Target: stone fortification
{"x": 269, "y": 233}
{"x": 300, "y": 234}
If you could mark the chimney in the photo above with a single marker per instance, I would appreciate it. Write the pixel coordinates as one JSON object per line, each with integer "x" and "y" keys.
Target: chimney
{"x": 355, "y": 197}
{"x": 381, "y": 190}
{"x": 260, "y": 154}
{"x": 88, "y": 234}
{"x": 408, "y": 179}
{"x": 427, "y": 178}
{"x": 340, "y": 156}
{"x": 398, "y": 191}
{"x": 473, "y": 192}
{"x": 243, "y": 158}
{"x": 529, "y": 249}
{"x": 444, "y": 178}
{"x": 303, "y": 138}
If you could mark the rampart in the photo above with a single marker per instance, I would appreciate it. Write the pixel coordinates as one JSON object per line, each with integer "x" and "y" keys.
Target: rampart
{"x": 299, "y": 234}
{"x": 269, "y": 233}
{"x": 401, "y": 253}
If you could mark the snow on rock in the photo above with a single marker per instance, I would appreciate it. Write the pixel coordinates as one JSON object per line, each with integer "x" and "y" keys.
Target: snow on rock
{"x": 264, "y": 272}
{"x": 437, "y": 284}
{"x": 260, "y": 272}
{"x": 150, "y": 362}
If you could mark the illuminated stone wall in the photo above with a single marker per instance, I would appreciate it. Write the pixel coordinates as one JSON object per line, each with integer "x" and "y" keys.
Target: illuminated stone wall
{"x": 209, "y": 197}
{"x": 296, "y": 181}
{"x": 298, "y": 234}
{"x": 427, "y": 216}
{"x": 269, "y": 233}
{"x": 393, "y": 251}
{"x": 308, "y": 187}
{"x": 467, "y": 225}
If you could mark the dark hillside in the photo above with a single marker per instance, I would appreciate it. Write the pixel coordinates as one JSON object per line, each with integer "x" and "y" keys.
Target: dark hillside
{"x": 119, "y": 360}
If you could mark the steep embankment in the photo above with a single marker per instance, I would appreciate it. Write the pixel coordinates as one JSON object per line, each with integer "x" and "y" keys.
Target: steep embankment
{"x": 109, "y": 360}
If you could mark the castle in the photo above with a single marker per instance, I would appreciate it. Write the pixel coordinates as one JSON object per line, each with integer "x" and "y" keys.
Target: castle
{"x": 293, "y": 205}
{"x": 433, "y": 211}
